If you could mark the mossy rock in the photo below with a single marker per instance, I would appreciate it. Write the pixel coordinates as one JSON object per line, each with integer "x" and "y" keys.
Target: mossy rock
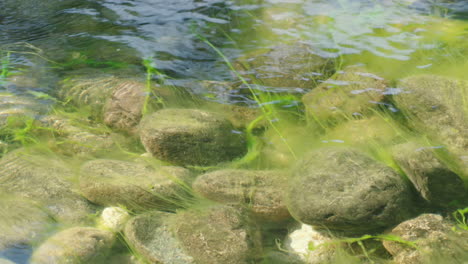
{"x": 353, "y": 91}
{"x": 22, "y": 221}
{"x": 190, "y": 137}
{"x": 260, "y": 190}
{"x": 20, "y": 107}
{"x": 135, "y": 185}
{"x": 437, "y": 106}
{"x": 77, "y": 245}
{"x": 344, "y": 190}
{"x": 433, "y": 240}
{"x": 47, "y": 180}
{"x": 434, "y": 180}
{"x": 217, "y": 234}
{"x": 293, "y": 66}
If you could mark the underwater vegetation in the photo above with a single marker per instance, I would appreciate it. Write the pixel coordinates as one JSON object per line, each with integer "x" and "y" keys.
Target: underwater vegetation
{"x": 237, "y": 132}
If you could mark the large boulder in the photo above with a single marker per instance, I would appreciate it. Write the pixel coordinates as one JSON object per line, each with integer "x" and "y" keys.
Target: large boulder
{"x": 22, "y": 221}
{"x": 261, "y": 191}
{"x": 135, "y": 185}
{"x": 436, "y": 107}
{"x": 428, "y": 238}
{"x": 217, "y": 234}
{"x": 353, "y": 91}
{"x": 75, "y": 245}
{"x": 47, "y": 180}
{"x": 293, "y": 66}
{"x": 344, "y": 190}
{"x": 434, "y": 180}
{"x": 190, "y": 137}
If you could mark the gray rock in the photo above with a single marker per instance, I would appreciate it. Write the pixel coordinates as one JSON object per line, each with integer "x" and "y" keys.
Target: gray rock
{"x": 352, "y": 91}
{"x": 21, "y": 221}
{"x": 135, "y": 185}
{"x": 285, "y": 66}
{"x": 190, "y": 137}
{"x": 47, "y": 180}
{"x": 261, "y": 191}
{"x": 436, "y": 183}
{"x": 344, "y": 190}
{"x": 75, "y": 245}
{"x": 217, "y": 234}
{"x": 435, "y": 107}
{"x": 434, "y": 239}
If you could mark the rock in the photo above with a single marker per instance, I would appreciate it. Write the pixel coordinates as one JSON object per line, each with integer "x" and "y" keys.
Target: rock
{"x": 80, "y": 137}
{"x": 114, "y": 218}
{"x": 21, "y": 221}
{"x": 433, "y": 238}
{"x": 353, "y": 91}
{"x": 343, "y": 190}
{"x": 361, "y": 132}
{"x": 278, "y": 257}
{"x": 285, "y": 66}
{"x": 91, "y": 93}
{"x": 309, "y": 245}
{"x": 261, "y": 191}
{"x": 20, "y": 107}
{"x": 216, "y": 234}
{"x": 434, "y": 105}
{"x": 124, "y": 109}
{"x": 190, "y": 137}
{"x": 435, "y": 182}
{"x": 47, "y": 180}
{"x": 135, "y": 185}
{"x": 75, "y": 245}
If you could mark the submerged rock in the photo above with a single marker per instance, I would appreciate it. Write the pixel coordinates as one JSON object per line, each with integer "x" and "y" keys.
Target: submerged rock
{"x": 114, "y": 218}
{"x": 22, "y": 221}
{"x": 75, "y": 245}
{"x": 341, "y": 189}
{"x": 436, "y": 183}
{"x": 137, "y": 186}
{"x": 285, "y": 66}
{"x": 309, "y": 245}
{"x": 124, "y": 109}
{"x": 46, "y": 180}
{"x": 261, "y": 191}
{"x": 190, "y": 137}
{"x": 436, "y": 107}
{"x": 14, "y": 106}
{"x": 217, "y": 234}
{"x": 353, "y": 91}
{"x": 80, "y": 137}
{"x": 433, "y": 241}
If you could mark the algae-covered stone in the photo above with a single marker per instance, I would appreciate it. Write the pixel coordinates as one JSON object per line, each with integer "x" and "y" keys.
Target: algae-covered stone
{"x": 437, "y": 107}
{"x": 80, "y": 137}
{"x": 22, "y": 221}
{"x": 217, "y": 234}
{"x": 75, "y": 245}
{"x": 47, "y": 180}
{"x": 262, "y": 191}
{"x": 433, "y": 241}
{"x": 285, "y": 66}
{"x": 124, "y": 109}
{"x": 135, "y": 185}
{"x": 13, "y": 106}
{"x": 353, "y": 91}
{"x": 436, "y": 183}
{"x": 190, "y": 137}
{"x": 362, "y": 132}
{"x": 342, "y": 189}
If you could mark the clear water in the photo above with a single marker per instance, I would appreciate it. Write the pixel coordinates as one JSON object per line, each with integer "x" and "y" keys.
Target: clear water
{"x": 46, "y": 41}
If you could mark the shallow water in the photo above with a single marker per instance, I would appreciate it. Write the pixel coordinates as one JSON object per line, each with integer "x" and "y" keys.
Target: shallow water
{"x": 42, "y": 42}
